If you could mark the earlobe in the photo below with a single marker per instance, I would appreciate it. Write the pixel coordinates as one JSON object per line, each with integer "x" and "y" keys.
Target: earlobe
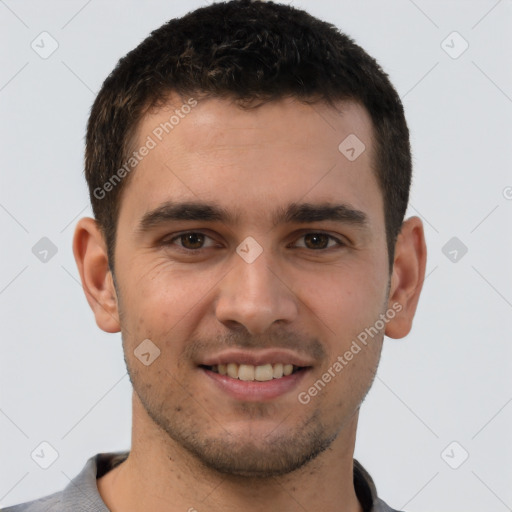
{"x": 91, "y": 258}
{"x": 407, "y": 278}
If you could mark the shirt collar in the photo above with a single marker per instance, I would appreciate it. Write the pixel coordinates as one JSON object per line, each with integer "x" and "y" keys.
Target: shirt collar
{"x": 83, "y": 488}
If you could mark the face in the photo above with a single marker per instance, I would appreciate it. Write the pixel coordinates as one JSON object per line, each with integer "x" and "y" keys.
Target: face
{"x": 249, "y": 246}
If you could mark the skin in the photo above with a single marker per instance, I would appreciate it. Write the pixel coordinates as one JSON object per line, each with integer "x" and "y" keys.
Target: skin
{"x": 193, "y": 445}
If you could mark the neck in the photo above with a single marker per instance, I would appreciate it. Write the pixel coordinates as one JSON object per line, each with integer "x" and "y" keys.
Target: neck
{"x": 160, "y": 475}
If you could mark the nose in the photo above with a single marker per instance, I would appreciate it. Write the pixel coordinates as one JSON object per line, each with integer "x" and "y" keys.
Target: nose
{"x": 256, "y": 296}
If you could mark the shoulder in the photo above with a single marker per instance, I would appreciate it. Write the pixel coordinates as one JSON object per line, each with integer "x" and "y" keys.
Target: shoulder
{"x": 366, "y": 491}
{"x": 81, "y": 493}
{"x": 46, "y": 504}
{"x": 380, "y": 506}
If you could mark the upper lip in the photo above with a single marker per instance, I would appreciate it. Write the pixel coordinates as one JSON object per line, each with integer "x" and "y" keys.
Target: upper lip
{"x": 256, "y": 358}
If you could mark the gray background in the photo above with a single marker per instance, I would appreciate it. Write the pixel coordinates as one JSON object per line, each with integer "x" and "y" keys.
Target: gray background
{"x": 63, "y": 381}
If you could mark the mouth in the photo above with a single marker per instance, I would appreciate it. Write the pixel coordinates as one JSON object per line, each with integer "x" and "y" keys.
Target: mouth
{"x": 255, "y": 382}
{"x": 258, "y": 373}
{"x": 255, "y": 376}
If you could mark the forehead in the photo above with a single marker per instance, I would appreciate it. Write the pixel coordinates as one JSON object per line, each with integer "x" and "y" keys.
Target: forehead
{"x": 279, "y": 152}
{"x": 215, "y": 123}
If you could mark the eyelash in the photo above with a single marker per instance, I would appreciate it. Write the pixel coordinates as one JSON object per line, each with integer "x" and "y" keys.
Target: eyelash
{"x": 168, "y": 242}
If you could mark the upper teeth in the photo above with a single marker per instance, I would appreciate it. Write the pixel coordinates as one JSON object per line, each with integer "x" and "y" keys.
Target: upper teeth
{"x": 251, "y": 372}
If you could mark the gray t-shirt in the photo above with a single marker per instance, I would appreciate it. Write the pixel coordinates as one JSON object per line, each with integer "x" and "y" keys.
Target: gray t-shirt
{"x": 81, "y": 494}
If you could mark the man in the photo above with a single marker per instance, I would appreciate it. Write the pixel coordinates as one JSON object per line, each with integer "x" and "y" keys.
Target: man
{"x": 249, "y": 171}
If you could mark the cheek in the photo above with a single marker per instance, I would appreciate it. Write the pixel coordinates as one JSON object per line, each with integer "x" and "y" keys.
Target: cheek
{"x": 161, "y": 300}
{"x": 346, "y": 298}
{"x": 153, "y": 285}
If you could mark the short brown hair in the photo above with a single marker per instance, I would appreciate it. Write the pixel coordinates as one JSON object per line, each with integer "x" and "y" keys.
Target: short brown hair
{"x": 247, "y": 51}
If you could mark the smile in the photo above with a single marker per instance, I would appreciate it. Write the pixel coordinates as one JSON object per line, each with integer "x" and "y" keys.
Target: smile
{"x": 249, "y": 372}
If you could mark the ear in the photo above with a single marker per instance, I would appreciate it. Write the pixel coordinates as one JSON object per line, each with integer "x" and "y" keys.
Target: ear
{"x": 407, "y": 277}
{"x": 91, "y": 258}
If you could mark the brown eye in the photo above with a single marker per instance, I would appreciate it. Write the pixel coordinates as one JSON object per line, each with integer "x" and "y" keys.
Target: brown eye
{"x": 316, "y": 240}
{"x": 189, "y": 241}
{"x": 192, "y": 240}
{"x": 319, "y": 241}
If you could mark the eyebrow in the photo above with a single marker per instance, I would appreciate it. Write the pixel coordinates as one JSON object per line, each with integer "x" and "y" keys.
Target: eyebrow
{"x": 292, "y": 213}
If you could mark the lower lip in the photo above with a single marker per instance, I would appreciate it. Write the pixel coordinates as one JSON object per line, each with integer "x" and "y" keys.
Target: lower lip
{"x": 255, "y": 391}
